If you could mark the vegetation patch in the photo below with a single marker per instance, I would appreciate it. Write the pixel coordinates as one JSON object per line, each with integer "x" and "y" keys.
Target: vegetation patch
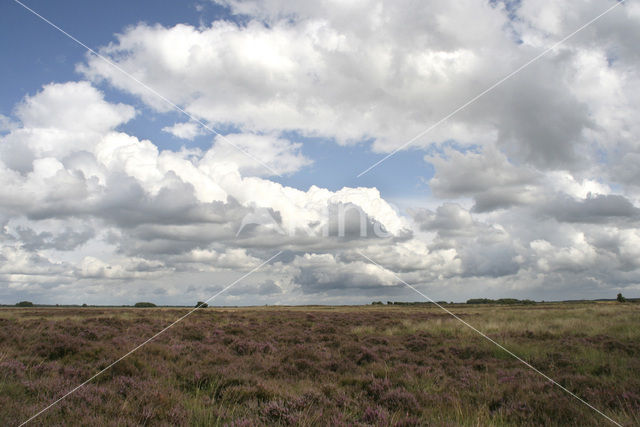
{"x": 376, "y": 365}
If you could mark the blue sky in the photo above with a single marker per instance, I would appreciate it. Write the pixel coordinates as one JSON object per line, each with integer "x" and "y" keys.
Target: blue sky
{"x": 39, "y": 54}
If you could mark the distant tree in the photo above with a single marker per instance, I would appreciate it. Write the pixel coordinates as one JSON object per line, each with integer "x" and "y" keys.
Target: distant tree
{"x": 144, "y": 304}
{"x": 479, "y": 301}
{"x": 377, "y": 303}
{"x": 389, "y": 302}
{"x": 500, "y": 301}
{"x": 507, "y": 301}
{"x": 84, "y": 305}
{"x": 620, "y": 298}
{"x": 202, "y": 304}
{"x": 24, "y": 304}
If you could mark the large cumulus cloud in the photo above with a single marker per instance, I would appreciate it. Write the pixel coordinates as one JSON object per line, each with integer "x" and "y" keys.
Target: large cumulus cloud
{"x": 102, "y": 205}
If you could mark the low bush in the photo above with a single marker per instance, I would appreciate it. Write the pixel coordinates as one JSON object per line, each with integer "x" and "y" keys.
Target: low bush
{"x": 144, "y": 304}
{"x": 24, "y": 304}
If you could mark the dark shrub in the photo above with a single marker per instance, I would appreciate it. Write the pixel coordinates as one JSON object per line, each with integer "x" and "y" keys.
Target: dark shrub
{"x": 376, "y": 416}
{"x": 244, "y": 393}
{"x": 24, "y": 304}
{"x": 417, "y": 343}
{"x": 202, "y": 304}
{"x": 366, "y": 356}
{"x": 479, "y": 301}
{"x": 309, "y": 399}
{"x": 58, "y": 346}
{"x": 193, "y": 334}
{"x": 244, "y": 347}
{"x": 620, "y": 298}
{"x": 378, "y": 387}
{"x": 359, "y": 354}
{"x": 278, "y": 412}
{"x": 399, "y": 399}
{"x": 198, "y": 380}
{"x": 144, "y": 305}
{"x": 12, "y": 369}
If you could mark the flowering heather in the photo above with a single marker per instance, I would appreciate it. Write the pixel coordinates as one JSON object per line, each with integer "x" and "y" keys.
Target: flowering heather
{"x": 362, "y": 366}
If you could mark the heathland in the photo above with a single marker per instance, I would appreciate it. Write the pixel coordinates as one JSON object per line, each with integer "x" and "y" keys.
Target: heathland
{"x": 374, "y": 365}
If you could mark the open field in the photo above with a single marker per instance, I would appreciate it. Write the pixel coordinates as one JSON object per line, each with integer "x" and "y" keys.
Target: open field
{"x": 377, "y": 365}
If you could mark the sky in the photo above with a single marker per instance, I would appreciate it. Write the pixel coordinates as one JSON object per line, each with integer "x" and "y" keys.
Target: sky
{"x": 214, "y": 140}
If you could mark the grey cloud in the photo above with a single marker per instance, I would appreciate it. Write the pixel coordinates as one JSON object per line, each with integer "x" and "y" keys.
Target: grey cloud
{"x": 600, "y": 208}
{"x": 450, "y": 219}
{"x": 127, "y": 204}
{"x": 496, "y": 260}
{"x": 484, "y": 250}
{"x": 627, "y": 169}
{"x": 499, "y": 198}
{"x": 541, "y": 123}
{"x": 66, "y": 240}
{"x": 328, "y": 274}
{"x": 487, "y": 176}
